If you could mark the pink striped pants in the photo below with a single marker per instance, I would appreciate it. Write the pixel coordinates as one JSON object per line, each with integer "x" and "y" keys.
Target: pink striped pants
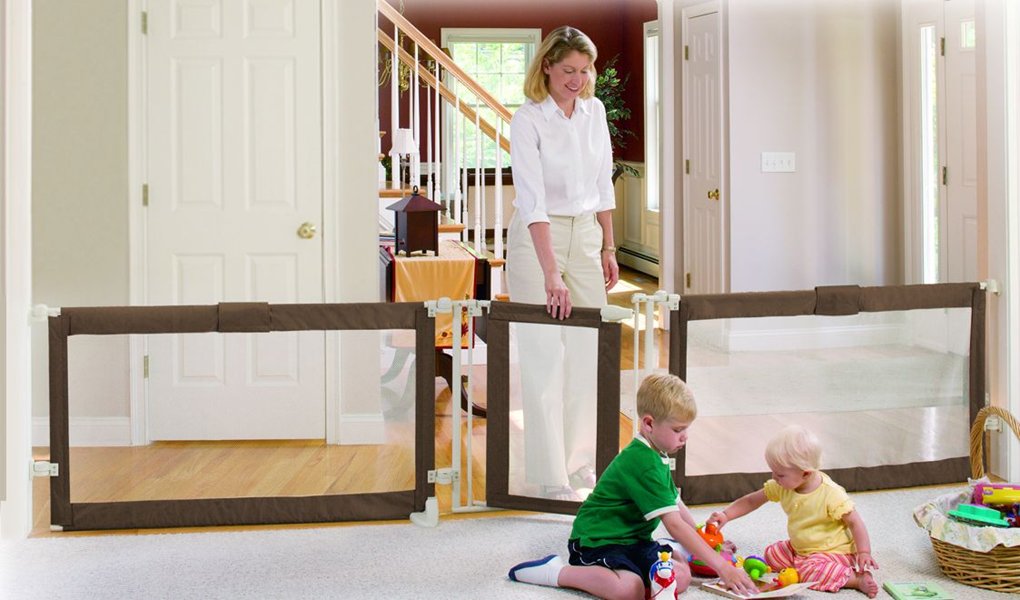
{"x": 830, "y": 571}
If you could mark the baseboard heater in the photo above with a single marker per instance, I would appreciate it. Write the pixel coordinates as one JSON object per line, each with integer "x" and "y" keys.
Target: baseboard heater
{"x": 637, "y": 254}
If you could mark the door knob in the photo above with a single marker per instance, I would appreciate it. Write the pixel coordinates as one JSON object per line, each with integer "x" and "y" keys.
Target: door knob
{"x": 306, "y": 231}
{"x": 713, "y": 194}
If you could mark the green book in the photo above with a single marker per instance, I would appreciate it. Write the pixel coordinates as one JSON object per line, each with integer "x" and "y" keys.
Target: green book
{"x": 916, "y": 591}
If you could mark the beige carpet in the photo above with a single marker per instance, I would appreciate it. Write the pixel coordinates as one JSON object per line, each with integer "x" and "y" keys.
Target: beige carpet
{"x": 462, "y": 558}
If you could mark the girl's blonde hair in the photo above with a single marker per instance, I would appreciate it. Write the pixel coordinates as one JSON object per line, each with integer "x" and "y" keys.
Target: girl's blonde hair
{"x": 663, "y": 395}
{"x": 794, "y": 447}
{"x": 555, "y": 47}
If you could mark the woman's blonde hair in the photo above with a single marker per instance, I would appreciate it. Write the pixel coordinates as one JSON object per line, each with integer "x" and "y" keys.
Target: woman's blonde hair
{"x": 794, "y": 447}
{"x": 555, "y": 47}
{"x": 663, "y": 395}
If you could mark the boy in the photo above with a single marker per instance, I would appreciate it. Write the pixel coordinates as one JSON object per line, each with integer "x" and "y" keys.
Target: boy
{"x": 611, "y": 547}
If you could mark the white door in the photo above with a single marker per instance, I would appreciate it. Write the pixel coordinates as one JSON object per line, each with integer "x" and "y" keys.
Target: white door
{"x": 704, "y": 198}
{"x": 960, "y": 111}
{"x": 233, "y": 170}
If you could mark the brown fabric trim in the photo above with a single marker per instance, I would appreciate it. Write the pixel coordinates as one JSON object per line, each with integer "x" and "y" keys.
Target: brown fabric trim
{"x": 141, "y": 319}
{"x": 497, "y": 449}
{"x": 534, "y": 313}
{"x": 60, "y": 452}
{"x": 236, "y": 317}
{"x": 607, "y": 411}
{"x": 913, "y": 297}
{"x": 832, "y": 298}
{"x": 838, "y": 300}
{"x": 749, "y": 304}
{"x": 424, "y": 406}
{"x": 497, "y": 423}
{"x": 347, "y": 317}
{"x": 978, "y": 369}
{"x": 240, "y": 317}
{"x": 241, "y": 511}
{"x": 724, "y": 487}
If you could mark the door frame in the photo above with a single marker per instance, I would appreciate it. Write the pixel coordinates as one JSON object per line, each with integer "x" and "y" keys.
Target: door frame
{"x": 686, "y": 14}
{"x": 137, "y": 176}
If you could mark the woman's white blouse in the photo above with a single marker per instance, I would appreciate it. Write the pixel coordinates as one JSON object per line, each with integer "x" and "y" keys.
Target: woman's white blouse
{"x": 561, "y": 166}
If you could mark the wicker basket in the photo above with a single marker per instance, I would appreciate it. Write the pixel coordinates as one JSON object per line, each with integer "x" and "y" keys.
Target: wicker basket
{"x": 998, "y": 569}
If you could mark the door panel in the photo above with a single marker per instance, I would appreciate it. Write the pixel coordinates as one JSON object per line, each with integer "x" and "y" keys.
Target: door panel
{"x": 704, "y": 235}
{"x": 234, "y": 168}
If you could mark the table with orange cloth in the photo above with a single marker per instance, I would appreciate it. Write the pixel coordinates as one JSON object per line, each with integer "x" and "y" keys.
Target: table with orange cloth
{"x": 456, "y": 272}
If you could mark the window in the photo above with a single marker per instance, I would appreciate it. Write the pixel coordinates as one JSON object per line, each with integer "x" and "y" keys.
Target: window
{"x": 652, "y": 127}
{"x": 497, "y": 59}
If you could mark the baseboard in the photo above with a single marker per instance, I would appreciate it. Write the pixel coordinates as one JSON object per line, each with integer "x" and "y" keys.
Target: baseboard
{"x": 638, "y": 261}
{"x": 362, "y": 429}
{"x": 86, "y": 431}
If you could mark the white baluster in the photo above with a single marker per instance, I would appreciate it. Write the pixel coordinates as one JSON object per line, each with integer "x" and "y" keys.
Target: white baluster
{"x": 416, "y": 123}
{"x": 428, "y": 146}
{"x": 457, "y": 158}
{"x": 394, "y": 109}
{"x": 479, "y": 201}
{"x": 437, "y": 192}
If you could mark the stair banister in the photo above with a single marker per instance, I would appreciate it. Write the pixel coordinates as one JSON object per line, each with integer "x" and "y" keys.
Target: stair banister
{"x": 437, "y": 54}
{"x": 487, "y": 128}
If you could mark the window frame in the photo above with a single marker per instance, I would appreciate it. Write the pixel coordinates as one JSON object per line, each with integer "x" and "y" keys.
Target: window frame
{"x": 531, "y": 37}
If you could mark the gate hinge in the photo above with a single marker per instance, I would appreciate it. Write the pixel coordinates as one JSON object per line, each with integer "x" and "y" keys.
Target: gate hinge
{"x": 44, "y": 468}
{"x": 443, "y": 305}
{"x": 444, "y": 476}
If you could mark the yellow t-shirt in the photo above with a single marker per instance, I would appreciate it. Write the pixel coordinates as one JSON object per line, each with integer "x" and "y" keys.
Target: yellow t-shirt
{"x": 815, "y": 519}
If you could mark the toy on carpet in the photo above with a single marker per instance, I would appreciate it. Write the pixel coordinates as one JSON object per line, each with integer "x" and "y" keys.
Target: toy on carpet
{"x": 755, "y": 566}
{"x": 662, "y": 579}
{"x": 788, "y": 576}
{"x": 714, "y": 538}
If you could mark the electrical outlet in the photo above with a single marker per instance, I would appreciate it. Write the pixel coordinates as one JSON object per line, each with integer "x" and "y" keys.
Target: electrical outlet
{"x": 778, "y": 162}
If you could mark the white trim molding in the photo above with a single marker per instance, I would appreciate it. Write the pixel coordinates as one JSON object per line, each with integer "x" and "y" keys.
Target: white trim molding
{"x": 16, "y": 203}
{"x": 362, "y": 429}
{"x": 86, "y": 431}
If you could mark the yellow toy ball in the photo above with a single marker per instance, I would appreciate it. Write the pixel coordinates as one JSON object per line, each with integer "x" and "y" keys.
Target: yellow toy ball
{"x": 788, "y": 576}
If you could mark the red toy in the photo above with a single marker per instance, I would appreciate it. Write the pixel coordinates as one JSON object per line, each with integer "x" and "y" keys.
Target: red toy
{"x": 713, "y": 538}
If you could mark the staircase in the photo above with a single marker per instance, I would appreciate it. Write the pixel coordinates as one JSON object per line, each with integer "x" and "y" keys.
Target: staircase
{"x": 447, "y": 107}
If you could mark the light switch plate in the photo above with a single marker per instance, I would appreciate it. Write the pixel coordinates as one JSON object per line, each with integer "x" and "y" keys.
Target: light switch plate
{"x": 778, "y": 162}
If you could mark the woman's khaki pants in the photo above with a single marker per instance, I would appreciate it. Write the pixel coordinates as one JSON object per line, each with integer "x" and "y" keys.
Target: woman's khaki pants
{"x": 558, "y": 365}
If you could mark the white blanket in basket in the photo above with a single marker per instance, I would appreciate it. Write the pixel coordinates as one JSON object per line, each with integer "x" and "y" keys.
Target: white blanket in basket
{"x": 932, "y": 517}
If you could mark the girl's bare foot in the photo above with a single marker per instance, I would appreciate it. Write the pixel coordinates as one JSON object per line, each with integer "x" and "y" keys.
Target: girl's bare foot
{"x": 864, "y": 582}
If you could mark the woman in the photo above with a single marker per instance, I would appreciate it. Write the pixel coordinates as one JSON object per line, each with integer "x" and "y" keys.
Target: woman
{"x": 560, "y": 253}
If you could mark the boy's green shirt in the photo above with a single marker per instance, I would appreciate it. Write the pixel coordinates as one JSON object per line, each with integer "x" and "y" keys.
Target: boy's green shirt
{"x": 629, "y": 498}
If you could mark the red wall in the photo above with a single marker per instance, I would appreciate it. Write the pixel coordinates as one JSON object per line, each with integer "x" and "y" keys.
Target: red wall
{"x": 616, "y": 27}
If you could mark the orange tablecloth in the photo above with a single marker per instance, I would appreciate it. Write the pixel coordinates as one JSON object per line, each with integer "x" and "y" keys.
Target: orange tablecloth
{"x": 451, "y": 274}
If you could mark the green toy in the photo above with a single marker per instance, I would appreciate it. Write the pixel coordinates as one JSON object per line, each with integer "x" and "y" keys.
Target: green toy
{"x": 975, "y": 514}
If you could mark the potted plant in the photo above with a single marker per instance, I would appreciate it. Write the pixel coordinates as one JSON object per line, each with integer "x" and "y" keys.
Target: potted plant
{"x": 609, "y": 89}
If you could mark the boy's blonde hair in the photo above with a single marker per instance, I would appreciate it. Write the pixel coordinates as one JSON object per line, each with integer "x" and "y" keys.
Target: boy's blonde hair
{"x": 794, "y": 447}
{"x": 663, "y": 395}
{"x": 555, "y": 47}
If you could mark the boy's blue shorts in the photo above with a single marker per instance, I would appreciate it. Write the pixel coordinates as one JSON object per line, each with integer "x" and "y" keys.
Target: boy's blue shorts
{"x": 636, "y": 558}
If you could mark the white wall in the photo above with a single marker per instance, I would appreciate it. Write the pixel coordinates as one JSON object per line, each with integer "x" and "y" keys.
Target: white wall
{"x": 818, "y": 79}
{"x": 80, "y": 192}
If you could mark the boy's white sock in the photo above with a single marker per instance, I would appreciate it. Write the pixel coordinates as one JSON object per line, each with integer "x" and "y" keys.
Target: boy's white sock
{"x": 545, "y": 571}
